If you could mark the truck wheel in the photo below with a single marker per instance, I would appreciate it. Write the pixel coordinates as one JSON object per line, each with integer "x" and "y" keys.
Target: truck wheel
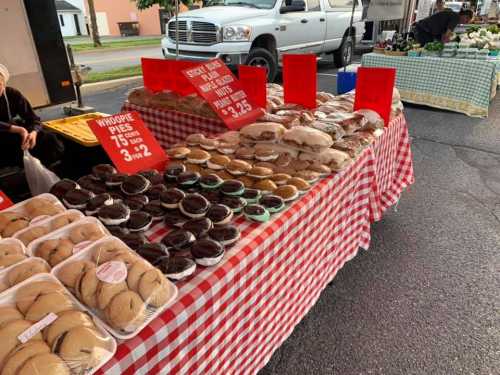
{"x": 343, "y": 55}
{"x": 263, "y": 58}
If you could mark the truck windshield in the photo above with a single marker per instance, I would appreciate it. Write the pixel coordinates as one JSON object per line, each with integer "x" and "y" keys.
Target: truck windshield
{"x": 259, "y": 4}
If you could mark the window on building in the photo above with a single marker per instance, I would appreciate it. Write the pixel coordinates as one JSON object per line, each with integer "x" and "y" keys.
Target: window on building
{"x": 61, "y": 19}
{"x": 313, "y": 5}
{"x": 342, "y": 3}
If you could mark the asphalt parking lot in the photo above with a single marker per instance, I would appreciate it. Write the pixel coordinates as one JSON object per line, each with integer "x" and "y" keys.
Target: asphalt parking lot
{"x": 424, "y": 299}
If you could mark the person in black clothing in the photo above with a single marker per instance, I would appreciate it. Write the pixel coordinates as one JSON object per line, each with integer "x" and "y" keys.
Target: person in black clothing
{"x": 440, "y": 26}
{"x": 21, "y": 129}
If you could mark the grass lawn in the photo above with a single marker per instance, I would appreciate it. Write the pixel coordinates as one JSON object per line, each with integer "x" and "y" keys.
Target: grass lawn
{"x": 78, "y": 47}
{"x": 128, "y": 71}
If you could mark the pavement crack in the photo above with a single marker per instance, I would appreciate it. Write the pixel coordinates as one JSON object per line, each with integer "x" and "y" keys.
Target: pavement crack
{"x": 453, "y": 145}
{"x": 482, "y": 204}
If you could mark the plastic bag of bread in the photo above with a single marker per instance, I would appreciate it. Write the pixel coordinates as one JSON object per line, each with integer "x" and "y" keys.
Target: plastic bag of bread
{"x": 21, "y": 271}
{"x": 119, "y": 287}
{"x": 352, "y": 146}
{"x": 61, "y": 244}
{"x": 287, "y": 121}
{"x": 336, "y": 160}
{"x": 164, "y": 100}
{"x": 329, "y": 127}
{"x": 45, "y": 330}
{"x": 19, "y": 216}
{"x": 12, "y": 251}
{"x": 44, "y": 227}
{"x": 307, "y": 139}
{"x": 140, "y": 96}
{"x": 372, "y": 119}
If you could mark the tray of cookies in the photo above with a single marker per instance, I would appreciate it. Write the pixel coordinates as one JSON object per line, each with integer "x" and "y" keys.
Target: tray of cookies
{"x": 50, "y": 224}
{"x": 20, "y": 215}
{"x": 45, "y": 330}
{"x": 21, "y": 271}
{"x": 12, "y": 251}
{"x": 61, "y": 244}
{"x": 118, "y": 286}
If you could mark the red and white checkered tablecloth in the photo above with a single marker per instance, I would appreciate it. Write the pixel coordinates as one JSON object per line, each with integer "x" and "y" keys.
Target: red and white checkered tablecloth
{"x": 229, "y": 319}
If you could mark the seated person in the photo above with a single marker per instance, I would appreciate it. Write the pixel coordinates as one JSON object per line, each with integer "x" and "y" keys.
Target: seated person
{"x": 21, "y": 129}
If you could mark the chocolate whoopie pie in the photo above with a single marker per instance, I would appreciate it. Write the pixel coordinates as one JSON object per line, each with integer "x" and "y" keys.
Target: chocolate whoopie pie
{"x": 219, "y": 214}
{"x": 114, "y": 214}
{"x": 174, "y": 218}
{"x": 194, "y": 205}
{"x": 179, "y": 268}
{"x": 135, "y": 184}
{"x": 85, "y": 182}
{"x": 77, "y": 198}
{"x": 257, "y": 213}
{"x": 251, "y": 195}
{"x": 97, "y": 202}
{"x": 226, "y": 235}
{"x": 61, "y": 187}
{"x": 272, "y": 203}
{"x": 213, "y": 196}
{"x": 102, "y": 171}
{"x": 234, "y": 203}
{"x": 115, "y": 180}
{"x": 134, "y": 240}
{"x": 199, "y": 227}
{"x": 232, "y": 187}
{"x": 172, "y": 171}
{"x": 178, "y": 240}
{"x": 155, "y": 191}
{"x": 136, "y": 202}
{"x": 211, "y": 181}
{"x": 153, "y": 252}
{"x": 188, "y": 179}
{"x": 153, "y": 176}
{"x": 117, "y": 230}
{"x": 155, "y": 209}
{"x": 171, "y": 198}
{"x": 207, "y": 252}
{"x": 139, "y": 221}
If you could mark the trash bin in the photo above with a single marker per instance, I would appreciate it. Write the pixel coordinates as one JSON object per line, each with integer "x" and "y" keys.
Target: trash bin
{"x": 346, "y": 81}
{"x": 128, "y": 28}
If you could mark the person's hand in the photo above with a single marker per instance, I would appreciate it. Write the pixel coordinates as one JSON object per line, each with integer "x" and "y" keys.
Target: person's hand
{"x": 30, "y": 141}
{"x": 23, "y": 133}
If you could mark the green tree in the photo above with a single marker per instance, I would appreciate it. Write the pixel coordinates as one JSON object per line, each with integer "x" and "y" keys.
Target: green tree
{"x": 168, "y": 5}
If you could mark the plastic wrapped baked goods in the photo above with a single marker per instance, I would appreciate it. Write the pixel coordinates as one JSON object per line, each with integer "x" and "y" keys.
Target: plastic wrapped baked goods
{"x": 372, "y": 118}
{"x": 287, "y": 121}
{"x": 329, "y": 127}
{"x": 262, "y": 132}
{"x": 351, "y": 145}
{"x": 46, "y": 331}
{"x": 164, "y": 100}
{"x": 307, "y": 139}
{"x": 41, "y": 205}
{"x": 21, "y": 271}
{"x": 123, "y": 290}
{"x": 12, "y": 251}
{"x": 140, "y": 96}
{"x": 336, "y": 160}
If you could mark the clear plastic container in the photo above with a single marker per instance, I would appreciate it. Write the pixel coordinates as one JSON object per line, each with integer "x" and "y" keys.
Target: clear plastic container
{"x": 72, "y": 333}
{"x": 12, "y": 251}
{"x": 23, "y": 207}
{"x": 15, "y": 274}
{"x": 68, "y": 240}
{"x": 121, "y": 300}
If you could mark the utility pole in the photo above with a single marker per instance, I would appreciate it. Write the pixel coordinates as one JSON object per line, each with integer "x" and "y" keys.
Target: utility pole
{"x": 93, "y": 25}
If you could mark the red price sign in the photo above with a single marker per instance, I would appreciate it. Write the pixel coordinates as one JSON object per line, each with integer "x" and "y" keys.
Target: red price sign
{"x": 5, "y": 201}
{"x": 374, "y": 87}
{"x": 128, "y": 142}
{"x": 225, "y": 94}
{"x": 299, "y": 79}
{"x": 157, "y": 74}
{"x": 254, "y": 80}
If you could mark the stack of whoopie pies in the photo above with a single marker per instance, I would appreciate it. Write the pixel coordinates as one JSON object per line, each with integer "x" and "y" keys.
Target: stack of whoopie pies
{"x": 123, "y": 304}
{"x": 69, "y": 344}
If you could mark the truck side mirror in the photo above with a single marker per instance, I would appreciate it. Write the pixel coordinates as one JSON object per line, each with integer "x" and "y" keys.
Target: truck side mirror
{"x": 297, "y": 6}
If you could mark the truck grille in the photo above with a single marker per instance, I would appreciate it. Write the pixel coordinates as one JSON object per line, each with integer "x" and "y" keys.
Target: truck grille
{"x": 194, "y": 32}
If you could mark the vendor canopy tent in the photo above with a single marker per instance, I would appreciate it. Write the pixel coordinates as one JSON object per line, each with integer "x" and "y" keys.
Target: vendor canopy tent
{"x": 382, "y": 10}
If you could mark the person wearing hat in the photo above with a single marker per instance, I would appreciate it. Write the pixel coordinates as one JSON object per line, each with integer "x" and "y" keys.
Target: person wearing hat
{"x": 21, "y": 129}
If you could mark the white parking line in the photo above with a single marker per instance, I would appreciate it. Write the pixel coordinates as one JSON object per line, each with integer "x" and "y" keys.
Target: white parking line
{"x": 327, "y": 74}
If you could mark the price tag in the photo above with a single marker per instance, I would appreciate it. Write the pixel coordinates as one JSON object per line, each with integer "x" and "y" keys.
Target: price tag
{"x": 253, "y": 80}
{"x": 5, "y": 201}
{"x": 112, "y": 272}
{"x": 36, "y": 328}
{"x": 128, "y": 142}
{"x": 225, "y": 94}
{"x": 374, "y": 87}
{"x": 299, "y": 79}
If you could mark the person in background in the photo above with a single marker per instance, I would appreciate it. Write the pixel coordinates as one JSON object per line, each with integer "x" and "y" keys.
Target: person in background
{"x": 21, "y": 129}
{"x": 438, "y": 6}
{"x": 440, "y": 26}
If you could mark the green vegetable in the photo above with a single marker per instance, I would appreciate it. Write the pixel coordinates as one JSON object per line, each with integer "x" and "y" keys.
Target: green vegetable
{"x": 434, "y": 46}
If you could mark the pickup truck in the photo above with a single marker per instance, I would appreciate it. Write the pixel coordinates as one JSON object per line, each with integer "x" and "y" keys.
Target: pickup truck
{"x": 259, "y": 32}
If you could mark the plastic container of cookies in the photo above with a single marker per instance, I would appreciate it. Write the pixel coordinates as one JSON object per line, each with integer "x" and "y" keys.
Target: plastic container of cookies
{"x": 23, "y": 207}
{"x": 15, "y": 274}
{"x": 70, "y": 240}
{"x": 77, "y": 331}
{"x": 40, "y": 228}
{"x": 12, "y": 251}
{"x": 125, "y": 281}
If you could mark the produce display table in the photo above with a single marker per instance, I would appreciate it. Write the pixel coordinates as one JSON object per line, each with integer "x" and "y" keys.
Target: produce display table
{"x": 459, "y": 85}
{"x": 230, "y": 318}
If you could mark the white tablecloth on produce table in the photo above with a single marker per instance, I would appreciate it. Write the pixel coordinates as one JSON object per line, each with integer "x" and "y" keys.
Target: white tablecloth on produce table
{"x": 230, "y": 318}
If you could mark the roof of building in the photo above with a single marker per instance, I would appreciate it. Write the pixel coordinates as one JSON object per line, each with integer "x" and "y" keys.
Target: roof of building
{"x": 65, "y": 6}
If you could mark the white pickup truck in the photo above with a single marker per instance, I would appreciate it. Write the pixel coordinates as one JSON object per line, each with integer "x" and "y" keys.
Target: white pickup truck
{"x": 259, "y": 32}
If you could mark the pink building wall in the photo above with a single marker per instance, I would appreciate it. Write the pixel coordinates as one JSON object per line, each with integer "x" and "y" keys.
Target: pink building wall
{"x": 126, "y": 11}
